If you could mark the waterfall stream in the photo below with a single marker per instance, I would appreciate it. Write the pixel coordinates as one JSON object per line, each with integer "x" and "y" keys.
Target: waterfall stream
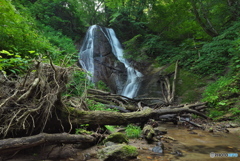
{"x": 134, "y": 77}
{"x": 86, "y": 52}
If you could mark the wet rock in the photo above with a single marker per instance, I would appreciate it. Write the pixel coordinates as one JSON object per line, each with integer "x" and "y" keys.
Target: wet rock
{"x": 148, "y": 133}
{"x": 159, "y": 148}
{"x": 116, "y": 138}
{"x": 210, "y": 130}
{"x": 160, "y": 130}
{"x": 177, "y": 153}
{"x": 153, "y": 123}
{"x": 192, "y": 132}
{"x": 106, "y": 66}
{"x": 120, "y": 152}
{"x": 234, "y": 130}
{"x": 53, "y": 152}
{"x": 109, "y": 143}
{"x": 234, "y": 125}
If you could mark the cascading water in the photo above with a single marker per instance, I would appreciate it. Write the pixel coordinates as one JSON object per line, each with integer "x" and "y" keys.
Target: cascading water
{"x": 86, "y": 52}
{"x": 134, "y": 77}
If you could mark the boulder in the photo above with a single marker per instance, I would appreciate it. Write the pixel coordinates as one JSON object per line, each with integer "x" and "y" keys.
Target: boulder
{"x": 120, "y": 152}
{"x": 116, "y": 138}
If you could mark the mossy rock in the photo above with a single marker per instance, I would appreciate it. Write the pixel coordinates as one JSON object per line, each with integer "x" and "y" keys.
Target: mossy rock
{"x": 120, "y": 152}
{"x": 116, "y": 138}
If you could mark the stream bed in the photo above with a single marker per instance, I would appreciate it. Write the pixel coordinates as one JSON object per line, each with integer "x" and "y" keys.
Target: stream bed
{"x": 180, "y": 144}
{"x": 196, "y": 145}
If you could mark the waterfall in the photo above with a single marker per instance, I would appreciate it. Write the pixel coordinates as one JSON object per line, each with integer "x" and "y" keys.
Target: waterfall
{"x": 86, "y": 53}
{"x": 134, "y": 77}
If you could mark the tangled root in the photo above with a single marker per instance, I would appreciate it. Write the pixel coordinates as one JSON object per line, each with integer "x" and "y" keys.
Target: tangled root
{"x": 27, "y": 103}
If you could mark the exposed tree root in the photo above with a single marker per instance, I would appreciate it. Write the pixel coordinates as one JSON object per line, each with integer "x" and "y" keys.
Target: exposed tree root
{"x": 33, "y": 104}
{"x": 27, "y": 105}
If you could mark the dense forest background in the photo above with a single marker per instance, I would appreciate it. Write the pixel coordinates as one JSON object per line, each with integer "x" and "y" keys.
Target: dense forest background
{"x": 203, "y": 35}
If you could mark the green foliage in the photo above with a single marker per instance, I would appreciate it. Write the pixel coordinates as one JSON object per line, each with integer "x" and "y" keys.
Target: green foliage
{"x": 214, "y": 113}
{"x": 83, "y": 130}
{"x": 78, "y": 84}
{"x": 102, "y": 86}
{"x": 17, "y": 33}
{"x": 63, "y": 16}
{"x": 110, "y": 128}
{"x": 14, "y": 63}
{"x": 96, "y": 106}
{"x": 133, "y": 131}
{"x": 20, "y": 34}
{"x": 223, "y": 96}
{"x": 133, "y": 49}
{"x": 214, "y": 56}
{"x": 235, "y": 110}
{"x": 149, "y": 47}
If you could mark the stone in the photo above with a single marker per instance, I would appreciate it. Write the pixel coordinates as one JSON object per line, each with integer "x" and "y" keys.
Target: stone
{"x": 109, "y": 143}
{"x": 160, "y": 130}
{"x": 234, "y": 130}
{"x": 234, "y": 125}
{"x": 159, "y": 148}
{"x": 116, "y": 138}
{"x": 148, "y": 133}
{"x": 120, "y": 152}
{"x": 177, "y": 153}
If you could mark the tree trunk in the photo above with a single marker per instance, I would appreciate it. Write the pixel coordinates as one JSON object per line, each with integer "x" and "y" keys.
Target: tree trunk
{"x": 207, "y": 27}
{"x": 15, "y": 144}
{"x": 116, "y": 118}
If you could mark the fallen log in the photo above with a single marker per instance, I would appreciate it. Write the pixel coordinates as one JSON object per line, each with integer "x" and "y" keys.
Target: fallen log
{"x": 16, "y": 144}
{"x": 116, "y": 118}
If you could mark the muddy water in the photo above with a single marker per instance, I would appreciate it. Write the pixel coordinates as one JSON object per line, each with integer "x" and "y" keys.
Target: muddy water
{"x": 195, "y": 145}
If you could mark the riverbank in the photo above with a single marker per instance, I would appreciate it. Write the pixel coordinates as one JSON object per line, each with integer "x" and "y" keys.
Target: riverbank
{"x": 181, "y": 143}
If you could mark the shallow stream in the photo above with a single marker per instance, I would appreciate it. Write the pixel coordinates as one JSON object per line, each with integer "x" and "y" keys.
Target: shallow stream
{"x": 195, "y": 145}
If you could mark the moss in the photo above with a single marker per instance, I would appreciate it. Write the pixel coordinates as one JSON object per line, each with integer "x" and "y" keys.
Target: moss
{"x": 76, "y": 111}
{"x": 118, "y": 152}
{"x": 129, "y": 150}
{"x": 116, "y": 138}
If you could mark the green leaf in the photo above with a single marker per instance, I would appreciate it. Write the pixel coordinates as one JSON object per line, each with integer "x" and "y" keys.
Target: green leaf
{"x": 6, "y": 52}
{"x": 31, "y": 52}
{"x": 18, "y": 56}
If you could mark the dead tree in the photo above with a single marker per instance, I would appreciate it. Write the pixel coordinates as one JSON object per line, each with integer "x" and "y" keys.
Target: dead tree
{"x": 168, "y": 91}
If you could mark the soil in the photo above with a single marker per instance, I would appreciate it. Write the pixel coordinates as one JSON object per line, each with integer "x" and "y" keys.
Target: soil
{"x": 182, "y": 142}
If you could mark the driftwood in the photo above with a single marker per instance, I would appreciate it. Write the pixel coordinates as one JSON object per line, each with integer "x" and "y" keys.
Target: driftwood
{"x": 16, "y": 144}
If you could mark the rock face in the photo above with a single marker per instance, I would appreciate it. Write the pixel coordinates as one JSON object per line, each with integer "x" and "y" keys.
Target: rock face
{"x": 105, "y": 66}
{"x": 100, "y": 58}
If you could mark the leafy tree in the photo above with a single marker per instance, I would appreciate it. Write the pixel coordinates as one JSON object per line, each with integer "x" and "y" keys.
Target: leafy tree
{"x": 19, "y": 41}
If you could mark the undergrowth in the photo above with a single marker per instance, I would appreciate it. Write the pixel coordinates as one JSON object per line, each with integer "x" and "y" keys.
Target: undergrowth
{"x": 133, "y": 131}
{"x": 223, "y": 96}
